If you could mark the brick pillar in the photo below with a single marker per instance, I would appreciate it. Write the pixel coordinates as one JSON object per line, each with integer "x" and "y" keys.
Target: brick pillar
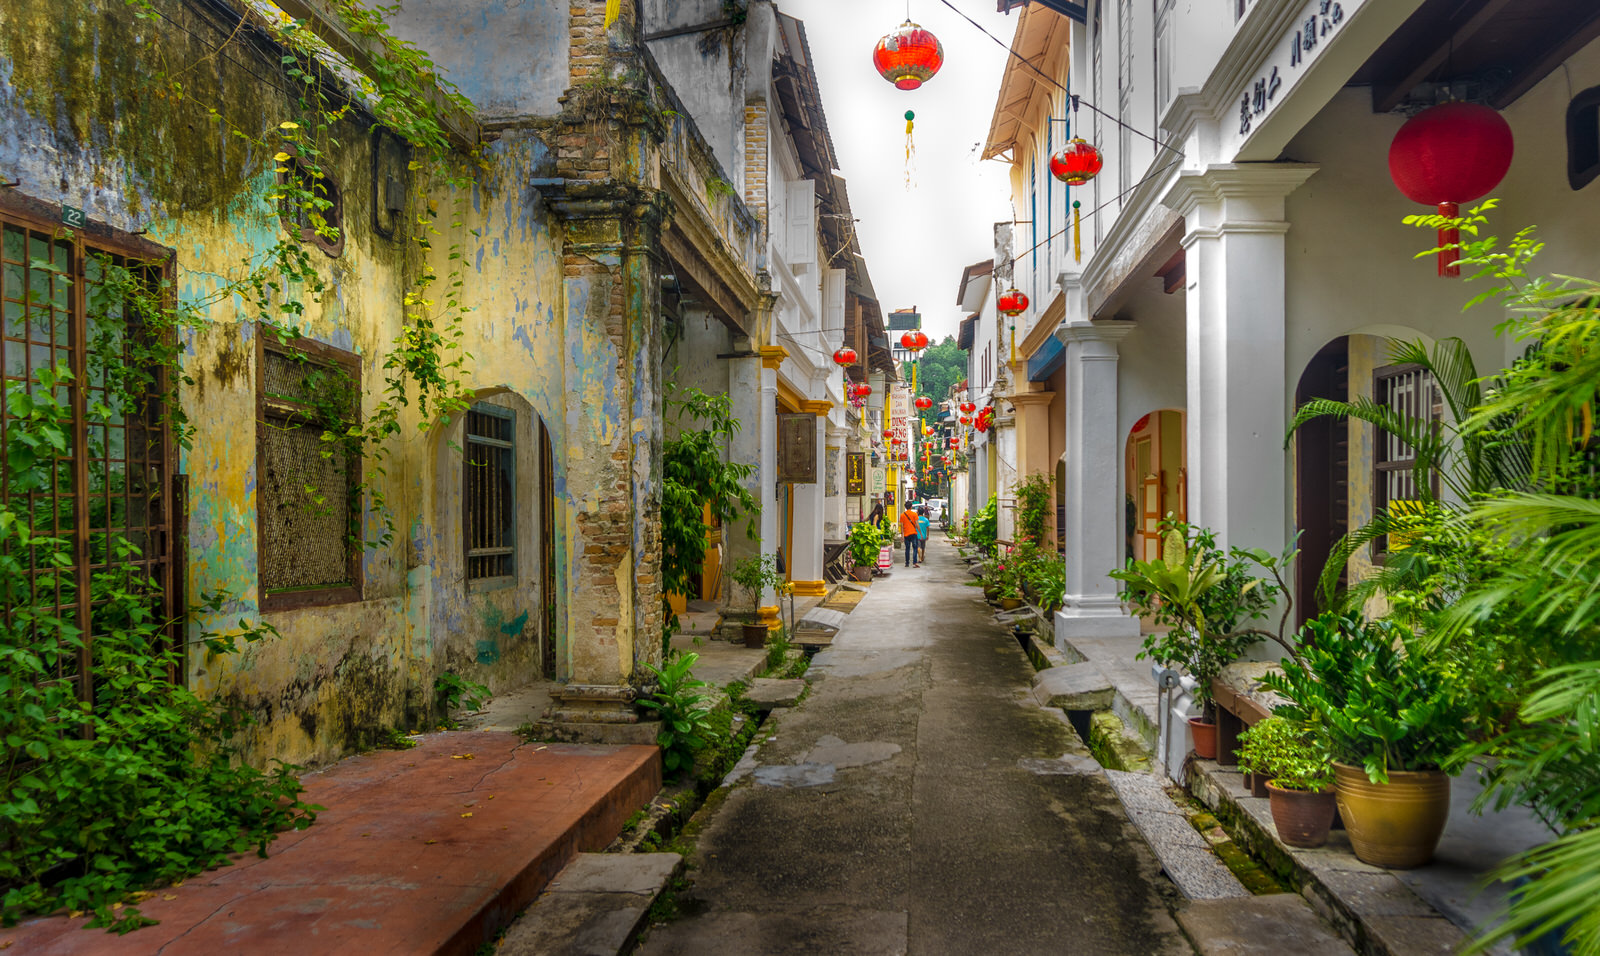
{"x": 608, "y": 147}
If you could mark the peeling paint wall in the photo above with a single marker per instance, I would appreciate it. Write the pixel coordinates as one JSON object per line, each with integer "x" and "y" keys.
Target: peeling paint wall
{"x": 82, "y": 122}
{"x": 508, "y": 56}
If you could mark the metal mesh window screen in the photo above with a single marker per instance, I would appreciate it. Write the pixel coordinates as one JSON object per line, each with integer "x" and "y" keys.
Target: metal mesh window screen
{"x": 306, "y": 487}
{"x": 489, "y": 499}
{"x": 112, "y": 482}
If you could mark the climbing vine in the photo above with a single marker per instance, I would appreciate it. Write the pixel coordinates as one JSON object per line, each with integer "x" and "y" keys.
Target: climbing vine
{"x": 115, "y": 776}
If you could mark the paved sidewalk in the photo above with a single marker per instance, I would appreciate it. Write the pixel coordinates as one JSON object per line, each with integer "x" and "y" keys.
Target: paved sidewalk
{"x": 422, "y": 851}
{"x": 917, "y": 802}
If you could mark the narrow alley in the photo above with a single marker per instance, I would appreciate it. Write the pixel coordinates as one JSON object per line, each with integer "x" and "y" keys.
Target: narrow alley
{"x": 917, "y": 802}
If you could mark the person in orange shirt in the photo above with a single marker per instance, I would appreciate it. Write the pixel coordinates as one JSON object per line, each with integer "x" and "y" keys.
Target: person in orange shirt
{"x": 908, "y": 528}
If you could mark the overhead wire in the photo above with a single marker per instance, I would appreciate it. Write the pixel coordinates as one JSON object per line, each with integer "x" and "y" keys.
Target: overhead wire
{"x": 1076, "y": 99}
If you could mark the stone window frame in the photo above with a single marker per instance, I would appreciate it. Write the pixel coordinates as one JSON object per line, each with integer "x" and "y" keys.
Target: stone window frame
{"x": 1583, "y": 138}
{"x": 278, "y": 412}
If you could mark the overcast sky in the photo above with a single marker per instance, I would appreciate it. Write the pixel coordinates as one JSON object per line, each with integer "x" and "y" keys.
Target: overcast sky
{"x": 916, "y": 241}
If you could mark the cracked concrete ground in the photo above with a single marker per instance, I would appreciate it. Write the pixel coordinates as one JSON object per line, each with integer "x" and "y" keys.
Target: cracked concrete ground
{"x": 919, "y": 801}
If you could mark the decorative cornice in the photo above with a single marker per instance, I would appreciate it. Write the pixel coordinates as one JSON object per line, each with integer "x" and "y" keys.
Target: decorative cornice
{"x": 818, "y": 407}
{"x": 1223, "y": 181}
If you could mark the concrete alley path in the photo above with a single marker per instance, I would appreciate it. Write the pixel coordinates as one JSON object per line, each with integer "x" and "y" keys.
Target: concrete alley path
{"x": 916, "y": 803}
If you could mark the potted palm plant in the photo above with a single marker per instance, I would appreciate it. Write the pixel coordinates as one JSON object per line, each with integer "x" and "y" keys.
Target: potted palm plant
{"x": 1299, "y": 779}
{"x": 1208, "y": 599}
{"x": 755, "y": 574}
{"x": 1391, "y": 717}
{"x": 866, "y": 541}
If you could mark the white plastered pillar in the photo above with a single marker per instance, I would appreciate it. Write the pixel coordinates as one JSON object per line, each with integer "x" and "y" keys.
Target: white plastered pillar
{"x": 1238, "y": 403}
{"x": 805, "y": 565}
{"x": 1092, "y": 487}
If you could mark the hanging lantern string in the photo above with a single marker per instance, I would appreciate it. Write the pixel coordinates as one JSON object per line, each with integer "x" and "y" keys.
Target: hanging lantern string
{"x": 1076, "y": 100}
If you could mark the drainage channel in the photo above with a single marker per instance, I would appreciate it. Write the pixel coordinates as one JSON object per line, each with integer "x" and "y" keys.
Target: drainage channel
{"x": 1128, "y": 763}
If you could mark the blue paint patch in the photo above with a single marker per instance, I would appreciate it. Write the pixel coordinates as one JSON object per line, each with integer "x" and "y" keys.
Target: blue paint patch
{"x": 478, "y": 263}
{"x": 489, "y": 651}
{"x": 514, "y": 628}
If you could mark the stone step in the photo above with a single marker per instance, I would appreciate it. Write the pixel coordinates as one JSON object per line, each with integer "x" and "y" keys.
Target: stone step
{"x": 1184, "y": 853}
{"x": 1259, "y": 926}
{"x": 594, "y": 907}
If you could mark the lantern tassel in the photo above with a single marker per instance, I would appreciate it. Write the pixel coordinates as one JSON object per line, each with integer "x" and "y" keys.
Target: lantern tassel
{"x": 911, "y": 146}
{"x": 613, "y": 10}
{"x": 1448, "y": 240}
{"x": 1077, "y": 232}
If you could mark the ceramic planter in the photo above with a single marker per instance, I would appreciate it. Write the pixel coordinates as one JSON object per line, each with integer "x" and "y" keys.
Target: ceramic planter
{"x": 1205, "y": 738}
{"x": 1010, "y": 604}
{"x": 862, "y": 572}
{"x": 1303, "y": 817}
{"x": 755, "y": 635}
{"x": 1395, "y": 824}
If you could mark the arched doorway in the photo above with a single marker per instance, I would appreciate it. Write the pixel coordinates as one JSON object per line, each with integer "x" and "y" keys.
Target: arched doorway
{"x": 1155, "y": 480}
{"x": 1321, "y": 473}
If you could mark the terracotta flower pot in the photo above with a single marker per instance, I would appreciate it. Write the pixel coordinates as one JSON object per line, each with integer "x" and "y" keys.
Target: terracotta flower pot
{"x": 1303, "y": 817}
{"x": 1205, "y": 738}
{"x": 1395, "y": 824}
{"x": 862, "y": 572}
{"x": 755, "y": 635}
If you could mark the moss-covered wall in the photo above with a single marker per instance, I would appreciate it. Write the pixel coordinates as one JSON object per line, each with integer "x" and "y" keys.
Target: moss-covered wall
{"x": 89, "y": 117}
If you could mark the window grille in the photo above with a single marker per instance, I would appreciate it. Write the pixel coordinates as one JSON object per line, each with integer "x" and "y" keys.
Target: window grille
{"x": 1409, "y": 391}
{"x": 308, "y": 519}
{"x": 113, "y": 481}
{"x": 489, "y": 484}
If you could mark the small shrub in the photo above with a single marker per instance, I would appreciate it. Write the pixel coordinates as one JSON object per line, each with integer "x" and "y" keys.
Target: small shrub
{"x": 1286, "y": 755}
{"x": 680, "y": 701}
{"x": 452, "y": 692}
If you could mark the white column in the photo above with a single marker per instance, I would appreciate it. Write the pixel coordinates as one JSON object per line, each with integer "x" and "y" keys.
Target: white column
{"x": 1092, "y": 488}
{"x": 833, "y": 515}
{"x": 1238, "y": 398}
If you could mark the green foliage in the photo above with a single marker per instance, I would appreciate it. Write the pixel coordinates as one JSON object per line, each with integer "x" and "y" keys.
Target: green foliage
{"x": 939, "y": 367}
{"x": 866, "y": 541}
{"x": 778, "y": 645}
{"x": 695, "y": 474}
{"x": 1286, "y": 754}
{"x": 981, "y": 533}
{"x": 452, "y": 692}
{"x": 1365, "y": 688}
{"x": 1207, "y": 598}
{"x": 1036, "y": 509}
{"x": 681, "y": 701}
{"x": 755, "y": 574}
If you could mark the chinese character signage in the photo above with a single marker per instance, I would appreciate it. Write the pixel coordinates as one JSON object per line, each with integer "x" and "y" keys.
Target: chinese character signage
{"x": 1310, "y": 32}
{"x": 797, "y": 448}
{"x": 855, "y": 473}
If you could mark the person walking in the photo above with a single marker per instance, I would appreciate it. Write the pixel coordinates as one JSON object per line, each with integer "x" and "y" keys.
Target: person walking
{"x": 908, "y": 529}
{"x": 922, "y": 534}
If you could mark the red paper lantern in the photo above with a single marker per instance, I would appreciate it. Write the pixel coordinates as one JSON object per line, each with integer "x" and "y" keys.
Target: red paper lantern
{"x": 924, "y": 403}
{"x": 845, "y": 356}
{"x": 1450, "y": 154}
{"x": 927, "y": 429}
{"x": 888, "y": 433}
{"x": 914, "y": 340}
{"x": 862, "y": 389}
{"x": 967, "y": 408}
{"x": 1012, "y": 302}
{"x": 954, "y": 442}
{"x": 908, "y": 56}
{"x": 966, "y": 419}
{"x": 1077, "y": 162}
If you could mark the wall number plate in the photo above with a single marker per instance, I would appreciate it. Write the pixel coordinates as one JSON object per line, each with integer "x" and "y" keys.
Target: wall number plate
{"x": 73, "y": 217}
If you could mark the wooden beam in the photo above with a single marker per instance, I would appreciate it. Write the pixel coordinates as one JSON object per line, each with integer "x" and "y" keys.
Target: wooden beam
{"x": 1541, "y": 67}
{"x": 459, "y": 126}
{"x": 1387, "y": 96}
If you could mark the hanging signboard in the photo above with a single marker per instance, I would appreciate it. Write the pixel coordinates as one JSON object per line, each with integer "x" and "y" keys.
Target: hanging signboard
{"x": 855, "y": 473}
{"x": 797, "y": 448}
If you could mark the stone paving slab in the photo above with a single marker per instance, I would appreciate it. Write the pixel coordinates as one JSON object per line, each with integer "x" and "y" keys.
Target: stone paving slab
{"x": 1259, "y": 926}
{"x": 767, "y": 693}
{"x": 1073, "y": 687}
{"x": 594, "y": 907}
{"x": 1184, "y": 853}
{"x": 425, "y": 851}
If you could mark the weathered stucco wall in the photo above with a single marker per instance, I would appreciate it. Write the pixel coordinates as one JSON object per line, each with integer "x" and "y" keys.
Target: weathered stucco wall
{"x": 508, "y": 56}
{"x": 86, "y": 119}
